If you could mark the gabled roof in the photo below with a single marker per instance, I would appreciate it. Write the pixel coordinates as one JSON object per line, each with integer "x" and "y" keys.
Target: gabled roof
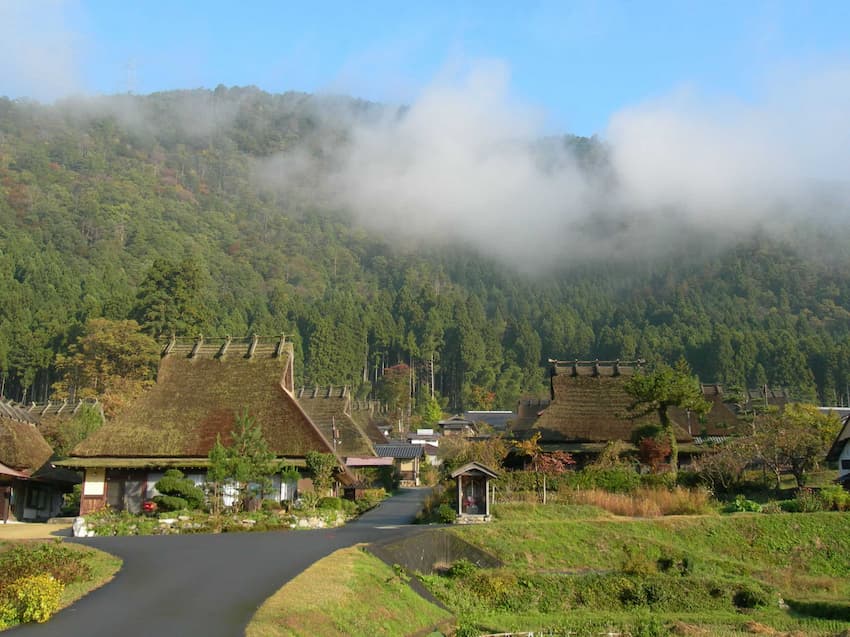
{"x": 839, "y": 442}
{"x": 498, "y": 420}
{"x": 330, "y": 408}
{"x": 199, "y": 392}
{"x": 590, "y": 404}
{"x": 401, "y": 451}
{"x": 474, "y": 468}
{"x": 22, "y": 447}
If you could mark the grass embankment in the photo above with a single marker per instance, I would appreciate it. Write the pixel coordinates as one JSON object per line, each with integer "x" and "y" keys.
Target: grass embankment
{"x": 348, "y": 593}
{"x": 583, "y": 570}
{"x": 80, "y": 569}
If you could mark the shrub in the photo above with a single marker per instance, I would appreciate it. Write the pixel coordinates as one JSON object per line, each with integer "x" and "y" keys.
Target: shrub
{"x": 33, "y": 598}
{"x": 330, "y": 503}
{"x": 834, "y": 498}
{"x": 807, "y": 501}
{"x": 446, "y": 513}
{"x": 637, "y": 562}
{"x": 177, "y": 492}
{"x": 461, "y": 568}
{"x": 742, "y": 505}
{"x": 60, "y": 562}
{"x": 750, "y": 596}
{"x": 617, "y": 479}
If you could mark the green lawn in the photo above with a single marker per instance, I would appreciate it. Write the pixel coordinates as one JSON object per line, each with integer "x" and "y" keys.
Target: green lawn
{"x": 348, "y": 593}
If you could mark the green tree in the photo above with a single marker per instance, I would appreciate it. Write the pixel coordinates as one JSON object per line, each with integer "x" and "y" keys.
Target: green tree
{"x": 797, "y": 439}
{"x": 171, "y": 298}
{"x": 321, "y": 467}
{"x": 661, "y": 389}
{"x": 245, "y": 466}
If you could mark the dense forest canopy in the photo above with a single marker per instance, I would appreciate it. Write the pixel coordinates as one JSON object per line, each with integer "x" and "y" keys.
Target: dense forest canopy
{"x": 159, "y": 209}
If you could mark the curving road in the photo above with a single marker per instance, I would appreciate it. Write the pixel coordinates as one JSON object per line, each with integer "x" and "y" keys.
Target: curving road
{"x": 210, "y": 585}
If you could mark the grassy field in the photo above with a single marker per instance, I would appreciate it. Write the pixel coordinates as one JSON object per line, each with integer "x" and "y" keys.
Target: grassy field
{"x": 581, "y": 569}
{"x": 348, "y": 593}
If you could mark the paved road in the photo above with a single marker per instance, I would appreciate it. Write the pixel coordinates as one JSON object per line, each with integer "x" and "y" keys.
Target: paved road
{"x": 210, "y": 585}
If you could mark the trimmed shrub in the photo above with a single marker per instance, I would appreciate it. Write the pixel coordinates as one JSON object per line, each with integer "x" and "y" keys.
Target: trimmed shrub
{"x": 178, "y": 492}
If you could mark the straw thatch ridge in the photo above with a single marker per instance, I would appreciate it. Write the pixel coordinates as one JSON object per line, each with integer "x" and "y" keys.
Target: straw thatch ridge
{"x": 197, "y": 398}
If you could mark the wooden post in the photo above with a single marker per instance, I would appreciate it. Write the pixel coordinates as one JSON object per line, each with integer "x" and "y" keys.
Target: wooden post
{"x": 459, "y": 495}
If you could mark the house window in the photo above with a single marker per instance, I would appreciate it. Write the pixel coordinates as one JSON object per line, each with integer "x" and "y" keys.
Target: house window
{"x": 845, "y": 464}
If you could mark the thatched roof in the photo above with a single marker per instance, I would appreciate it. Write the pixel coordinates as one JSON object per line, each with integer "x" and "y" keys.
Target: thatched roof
{"x": 719, "y": 421}
{"x": 199, "y": 392}
{"x": 589, "y": 404}
{"x": 331, "y": 407}
{"x": 22, "y": 447}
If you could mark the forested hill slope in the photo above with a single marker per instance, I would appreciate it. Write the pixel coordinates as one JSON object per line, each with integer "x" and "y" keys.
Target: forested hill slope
{"x": 106, "y": 203}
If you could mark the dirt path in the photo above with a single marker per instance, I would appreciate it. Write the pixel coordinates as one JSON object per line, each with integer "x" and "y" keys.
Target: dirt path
{"x": 33, "y": 531}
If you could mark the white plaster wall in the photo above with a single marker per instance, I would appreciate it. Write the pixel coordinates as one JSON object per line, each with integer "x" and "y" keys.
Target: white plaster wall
{"x": 95, "y": 482}
{"x": 845, "y": 455}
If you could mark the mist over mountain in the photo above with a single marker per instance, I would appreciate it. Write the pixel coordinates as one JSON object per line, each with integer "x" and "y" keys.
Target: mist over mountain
{"x": 456, "y": 229}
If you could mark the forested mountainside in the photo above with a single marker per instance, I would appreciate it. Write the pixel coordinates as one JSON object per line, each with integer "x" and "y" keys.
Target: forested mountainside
{"x": 105, "y": 203}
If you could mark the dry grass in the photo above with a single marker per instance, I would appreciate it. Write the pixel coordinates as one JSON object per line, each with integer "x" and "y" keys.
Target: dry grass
{"x": 646, "y": 503}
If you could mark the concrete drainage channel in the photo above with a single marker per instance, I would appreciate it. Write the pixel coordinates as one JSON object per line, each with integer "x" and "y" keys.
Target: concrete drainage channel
{"x": 430, "y": 552}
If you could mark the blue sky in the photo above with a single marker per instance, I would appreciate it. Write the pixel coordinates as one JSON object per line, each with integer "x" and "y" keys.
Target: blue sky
{"x": 578, "y": 62}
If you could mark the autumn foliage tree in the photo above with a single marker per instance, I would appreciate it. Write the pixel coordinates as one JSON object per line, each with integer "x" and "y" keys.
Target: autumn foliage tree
{"x": 653, "y": 452}
{"x": 542, "y": 463}
{"x": 110, "y": 360}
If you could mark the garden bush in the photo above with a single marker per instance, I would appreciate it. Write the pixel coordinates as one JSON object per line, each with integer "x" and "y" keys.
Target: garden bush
{"x": 32, "y": 598}
{"x": 331, "y": 503}
{"x": 834, "y": 498}
{"x": 806, "y": 501}
{"x": 270, "y": 505}
{"x": 742, "y": 505}
{"x": 60, "y": 562}
{"x": 616, "y": 479}
{"x": 446, "y": 513}
{"x": 178, "y": 492}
